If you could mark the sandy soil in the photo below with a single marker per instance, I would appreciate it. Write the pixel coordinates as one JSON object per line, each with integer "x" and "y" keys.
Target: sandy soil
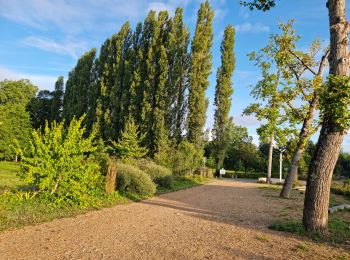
{"x": 221, "y": 220}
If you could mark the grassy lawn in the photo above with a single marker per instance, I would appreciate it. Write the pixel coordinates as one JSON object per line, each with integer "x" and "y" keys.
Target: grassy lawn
{"x": 24, "y": 208}
{"x": 339, "y": 222}
{"x": 8, "y": 176}
{"x": 181, "y": 183}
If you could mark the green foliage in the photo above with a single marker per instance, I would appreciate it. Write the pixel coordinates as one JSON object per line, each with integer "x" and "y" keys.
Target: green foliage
{"x": 178, "y": 60}
{"x": 160, "y": 175}
{"x": 75, "y": 102}
{"x": 184, "y": 182}
{"x": 186, "y": 158}
{"x": 335, "y": 101}
{"x": 133, "y": 180}
{"x": 244, "y": 175}
{"x": 343, "y": 165}
{"x": 40, "y": 108}
{"x": 223, "y": 94}
{"x": 61, "y": 164}
{"x": 15, "y": 124}
{"x": 57, "y": 101}
{"x": 200, "y": 69}
{"x": 263, "y": 5}
{"x": 129, "y": 145}
{"x": 20, "y": 209}
{"x": 242, "y": 154}
{"x": 341, "y": 188}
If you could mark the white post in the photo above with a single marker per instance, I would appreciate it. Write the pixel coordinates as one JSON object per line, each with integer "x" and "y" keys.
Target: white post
{"x": 281, "y": 159}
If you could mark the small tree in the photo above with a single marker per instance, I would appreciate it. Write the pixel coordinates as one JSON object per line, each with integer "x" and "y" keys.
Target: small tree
{"x": 129, "y": 145}
{"x": 187, "y": 158}
{"x": 61, "y": 164}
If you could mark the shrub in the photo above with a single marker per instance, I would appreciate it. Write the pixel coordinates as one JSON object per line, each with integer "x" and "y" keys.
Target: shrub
{"x": 61, "y": 164}
{"x": 160, "y": 175}
{"x": 250, "y": 175}
{"x": 341, "y": 188}
{"x": 132, "y": 179}
{"x": 186, "y": 158}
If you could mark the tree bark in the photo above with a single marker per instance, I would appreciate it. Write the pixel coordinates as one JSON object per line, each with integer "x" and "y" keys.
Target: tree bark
{"x": 111, "y": 177}
{"x": 315, "y": 214}
{"x": 269, "y": 166}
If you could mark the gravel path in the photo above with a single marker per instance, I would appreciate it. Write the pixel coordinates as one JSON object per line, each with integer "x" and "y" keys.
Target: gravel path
{"x": 220, "y": 220}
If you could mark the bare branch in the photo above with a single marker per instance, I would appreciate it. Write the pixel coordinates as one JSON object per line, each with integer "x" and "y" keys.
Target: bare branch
{"x": 323, "y": 63}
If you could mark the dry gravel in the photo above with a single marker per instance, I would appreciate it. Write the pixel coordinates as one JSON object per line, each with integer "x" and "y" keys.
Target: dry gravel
{"x": 220, "y": 220}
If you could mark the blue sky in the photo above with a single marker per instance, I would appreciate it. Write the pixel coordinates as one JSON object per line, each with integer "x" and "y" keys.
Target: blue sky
{"x": 42, "y": 39}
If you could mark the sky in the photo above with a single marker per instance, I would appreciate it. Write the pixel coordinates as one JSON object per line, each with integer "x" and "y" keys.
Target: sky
{"x": 42, "y": 39}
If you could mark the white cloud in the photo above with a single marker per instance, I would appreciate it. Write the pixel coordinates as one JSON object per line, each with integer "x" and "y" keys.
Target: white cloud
{"x": 252, "y": 28}
{"x": 246, "y": 120}
{"x": 159, "y": 6}
{"x": 73, "y": 49}
{"x": 69, "y": 16}
{"x": 41, "y": 81}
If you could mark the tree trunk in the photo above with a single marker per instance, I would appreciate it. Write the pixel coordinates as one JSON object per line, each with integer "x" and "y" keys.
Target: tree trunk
{"x": 304, "y": 136}
{"x": 111, "y": 177}
{"x": 315, "y": 215}
{"x": 269, "y": 166}
{"x": 303, "y": 140}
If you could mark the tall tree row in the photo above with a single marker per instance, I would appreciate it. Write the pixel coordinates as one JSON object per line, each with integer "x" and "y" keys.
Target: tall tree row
{"x": 142, "y": 76}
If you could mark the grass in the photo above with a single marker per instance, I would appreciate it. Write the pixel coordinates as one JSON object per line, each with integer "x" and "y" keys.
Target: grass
{"x": 19, "y": 209}
{"x": 263, "y": 238}
{"x": 16, "y": 213}
{"x": 304, "y": 247}
{"x": 9, "y": 178}
{"x": 338, "y": 227}
{"x": 183, "y": 182}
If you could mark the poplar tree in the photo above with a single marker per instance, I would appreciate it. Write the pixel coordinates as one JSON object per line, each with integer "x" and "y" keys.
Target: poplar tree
{"x": 146, "y": 74}
{"x": 223, "y": 92}
{"x": 120, "y": 44}
{"x": 75, "y": 101}
{"x": 135, "y": 90}
{"x": 57, "y": 100}
{"x": 200, "y": 69}
{"x": 177, "y": 83}
{"x": 157, "y": 68}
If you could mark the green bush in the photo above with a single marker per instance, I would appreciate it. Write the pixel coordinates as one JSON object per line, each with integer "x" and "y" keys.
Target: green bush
{"x": 160, "y": 175}
{"x": 341, "y": 188}
{"x": 132, "y": 179}
{"x": 248, "y": 175}
{"x": 61, "y": 164}
{"x": 186, "y": 158}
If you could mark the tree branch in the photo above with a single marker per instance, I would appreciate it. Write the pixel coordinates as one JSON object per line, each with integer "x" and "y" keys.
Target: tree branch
{"x": 323, "y": 63}
{"x": 302, "y": 62}
{"x": 294, "y": 110}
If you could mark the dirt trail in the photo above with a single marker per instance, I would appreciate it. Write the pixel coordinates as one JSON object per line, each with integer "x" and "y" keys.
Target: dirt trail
{"x": 221, "y": 220}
